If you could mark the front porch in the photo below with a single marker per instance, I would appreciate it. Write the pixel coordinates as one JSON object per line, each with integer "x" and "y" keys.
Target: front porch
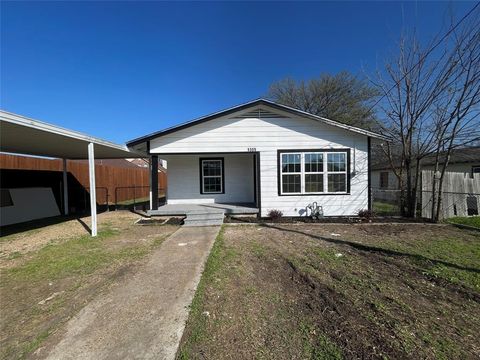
{"x": 208, "y": 185}
{"x": 204, "y": 214}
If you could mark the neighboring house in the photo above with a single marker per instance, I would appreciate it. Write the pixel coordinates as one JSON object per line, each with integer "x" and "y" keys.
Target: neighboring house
{"x": 267, "y": 155}
{"x": 464, "y": 160}
{"x": 140, "y": 162}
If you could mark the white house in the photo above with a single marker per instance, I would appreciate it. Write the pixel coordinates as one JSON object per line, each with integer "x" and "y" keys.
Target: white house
{"x": 265, "y": 156}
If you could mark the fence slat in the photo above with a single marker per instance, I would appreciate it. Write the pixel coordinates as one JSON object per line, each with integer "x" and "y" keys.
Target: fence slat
{"x": 108, "y": 177}
{"x": 460, "y": 194}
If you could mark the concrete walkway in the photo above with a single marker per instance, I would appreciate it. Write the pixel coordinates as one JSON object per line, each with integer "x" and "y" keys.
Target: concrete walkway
{"x": 144, "y": 317}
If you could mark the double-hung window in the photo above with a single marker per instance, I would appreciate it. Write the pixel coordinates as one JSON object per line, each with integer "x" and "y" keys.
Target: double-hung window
{"x": 291, "y": 173}
{"x": 212, "y": 176}
{"x": 313, "y": 172}
{"x": 337, "y": 172}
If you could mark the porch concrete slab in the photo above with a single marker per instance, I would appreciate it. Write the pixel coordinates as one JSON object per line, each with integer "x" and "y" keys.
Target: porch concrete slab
{"x": 185, "y": 209}
{"x": 144, "y": 316}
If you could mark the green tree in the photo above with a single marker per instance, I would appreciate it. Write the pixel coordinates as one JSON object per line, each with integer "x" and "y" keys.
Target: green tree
{"x": 342, "y": 97}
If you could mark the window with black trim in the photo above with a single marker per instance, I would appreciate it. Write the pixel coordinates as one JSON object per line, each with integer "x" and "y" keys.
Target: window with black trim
{"x": 211, "y": 176}
{"x": 313, "y": 172}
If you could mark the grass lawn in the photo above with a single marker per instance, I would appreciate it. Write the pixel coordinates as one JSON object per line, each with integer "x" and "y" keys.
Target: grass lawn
{"x": 470, "y": 221}
{"x": 383, "y": 208}
{"x": 48, "y": 274}
{"x": 337, "y": 291}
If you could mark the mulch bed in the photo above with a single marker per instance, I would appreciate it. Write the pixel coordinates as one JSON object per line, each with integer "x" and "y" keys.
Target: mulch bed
{"x": 325, "y": 220}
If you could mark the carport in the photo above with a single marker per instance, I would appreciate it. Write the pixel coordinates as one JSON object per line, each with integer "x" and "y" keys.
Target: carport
{"x": 22, "y": 135}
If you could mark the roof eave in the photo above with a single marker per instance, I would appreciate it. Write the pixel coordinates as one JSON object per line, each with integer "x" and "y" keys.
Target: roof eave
{"x": 252, "y": 103}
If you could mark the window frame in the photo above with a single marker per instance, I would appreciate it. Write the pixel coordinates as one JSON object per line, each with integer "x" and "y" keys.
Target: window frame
{"x": 325, "y": 172}
{"x": 302, "y": 164}
{"x": 222, "y": 176}
{"x": 300, "y": 173}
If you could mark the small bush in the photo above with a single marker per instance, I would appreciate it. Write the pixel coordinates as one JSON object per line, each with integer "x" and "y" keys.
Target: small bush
{"x": 366, "y": 214}
{"x": 275, "y": 214}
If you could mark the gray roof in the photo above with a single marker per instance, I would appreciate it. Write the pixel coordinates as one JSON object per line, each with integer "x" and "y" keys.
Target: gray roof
{"x": 458, "y": 156}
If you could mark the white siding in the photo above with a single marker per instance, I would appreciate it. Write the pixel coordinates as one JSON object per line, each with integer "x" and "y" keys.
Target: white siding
{"x": 184, "y": 179}
{"x": 229, "y": 134}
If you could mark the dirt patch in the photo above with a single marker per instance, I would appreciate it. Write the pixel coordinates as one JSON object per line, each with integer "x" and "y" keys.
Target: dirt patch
{"x": 25, "y": 241}
{"x": 42, "y": 288}
{"x": 160, "y": 221}
{"x": 383, "y": 291}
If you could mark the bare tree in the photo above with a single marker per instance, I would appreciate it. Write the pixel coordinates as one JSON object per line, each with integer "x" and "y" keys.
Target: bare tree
{"x": 457, "y": 110}
{"x": 342, "y": 97}
{"x": 430, "y": 104}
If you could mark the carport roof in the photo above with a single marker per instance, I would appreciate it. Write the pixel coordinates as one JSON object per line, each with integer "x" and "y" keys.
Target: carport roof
{"x": 22, "y": 135}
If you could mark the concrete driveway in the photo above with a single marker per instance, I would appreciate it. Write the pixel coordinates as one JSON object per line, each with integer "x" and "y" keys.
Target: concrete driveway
{"x": 144, "y": 316}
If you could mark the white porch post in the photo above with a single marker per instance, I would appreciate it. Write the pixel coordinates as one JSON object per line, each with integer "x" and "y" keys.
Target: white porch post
{"x": 93, "y": 195}
{"x": 65, "y": 188}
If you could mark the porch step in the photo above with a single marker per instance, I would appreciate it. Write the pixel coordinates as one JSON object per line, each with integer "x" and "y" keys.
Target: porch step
{"x": 204, "y": 219}
{"x": 202, "y": 222}
{"x": 205, "y": 216}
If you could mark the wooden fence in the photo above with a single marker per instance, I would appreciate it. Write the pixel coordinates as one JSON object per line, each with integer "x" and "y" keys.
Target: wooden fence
{"x": 115, "y": 184}
{"x": 460, "y": 197}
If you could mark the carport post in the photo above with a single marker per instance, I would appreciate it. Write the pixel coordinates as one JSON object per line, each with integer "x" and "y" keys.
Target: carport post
{"x": 150, "y": 181}
{"x": 154, "y": 182}
{"x": 93, "y": 195}
{"x": 65, "y": 188}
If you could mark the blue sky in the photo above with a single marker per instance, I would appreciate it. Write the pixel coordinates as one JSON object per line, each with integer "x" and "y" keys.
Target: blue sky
{"x": 118, "y": 70}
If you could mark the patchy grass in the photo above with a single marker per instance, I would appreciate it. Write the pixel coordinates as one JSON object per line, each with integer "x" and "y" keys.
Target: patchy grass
{"x": 375, "y": 291}
{"x": 317, "y": 345}
{"x": 43, "y": 288}
{"x": 470, "y": 221}
{"x": 78, "y": 256}
{"x": 383, "y": 208}
{"x": 213, "y": 275}
{"x": 448, "y": 254}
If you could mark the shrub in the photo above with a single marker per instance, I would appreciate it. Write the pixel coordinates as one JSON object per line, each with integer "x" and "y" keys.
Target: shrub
{"x": 366, "y": 214}
{"x": 275, "y": 214}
